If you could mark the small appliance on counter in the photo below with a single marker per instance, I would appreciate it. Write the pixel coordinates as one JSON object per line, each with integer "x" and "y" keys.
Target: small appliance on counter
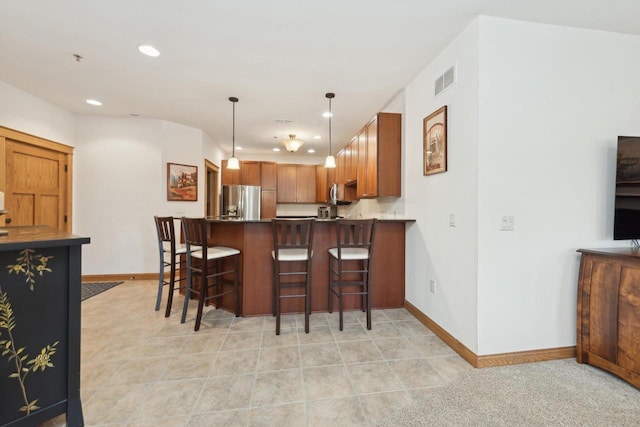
{"x": 241, "y": 202}
{"x": 327, "y": 212}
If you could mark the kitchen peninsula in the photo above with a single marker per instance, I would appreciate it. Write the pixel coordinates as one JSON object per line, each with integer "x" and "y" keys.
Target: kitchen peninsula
{"x": 255, "y": 241}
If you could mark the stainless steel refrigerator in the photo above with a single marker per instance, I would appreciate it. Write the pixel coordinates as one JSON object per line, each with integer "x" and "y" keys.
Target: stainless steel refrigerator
{"x": 241, "y": 202}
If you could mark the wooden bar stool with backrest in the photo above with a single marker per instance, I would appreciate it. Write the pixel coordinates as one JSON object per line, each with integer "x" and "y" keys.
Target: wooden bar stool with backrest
{"x": 169, "y": 249}
{"x": 207, "y": 264}
{"x": 292, "y": 245}
{"x": 350, "y": 263}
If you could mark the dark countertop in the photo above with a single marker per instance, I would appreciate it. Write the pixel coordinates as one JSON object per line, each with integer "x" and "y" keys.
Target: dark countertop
{"x": 217, "y": 220}
{"x": 36, "y": 237}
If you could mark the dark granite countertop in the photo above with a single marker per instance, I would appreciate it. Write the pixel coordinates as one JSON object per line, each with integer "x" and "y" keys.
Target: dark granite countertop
{"x": 218, "y": 220}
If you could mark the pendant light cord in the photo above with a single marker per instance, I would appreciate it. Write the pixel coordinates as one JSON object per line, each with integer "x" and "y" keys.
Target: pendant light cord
{"x": 233, "y": 100}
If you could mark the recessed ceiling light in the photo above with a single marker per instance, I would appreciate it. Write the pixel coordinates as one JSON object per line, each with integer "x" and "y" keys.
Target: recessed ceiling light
{"x": 317, "y": 137}
{"x": 276, "y": 149}
{"x": 311, "y": 150}
{"x": 94, "y": 102}
{"x": 327, "y": 114}
{"x": 239, "y": 148}
{"x": 149, "y": 50}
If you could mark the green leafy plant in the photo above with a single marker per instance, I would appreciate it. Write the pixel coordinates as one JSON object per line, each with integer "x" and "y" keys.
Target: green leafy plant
{"x": 23, "y": 365}
{"x": 30, "y": 264}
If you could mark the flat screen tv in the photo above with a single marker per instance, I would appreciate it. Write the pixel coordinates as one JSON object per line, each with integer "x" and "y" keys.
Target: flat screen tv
{"x": 626, "y": 222}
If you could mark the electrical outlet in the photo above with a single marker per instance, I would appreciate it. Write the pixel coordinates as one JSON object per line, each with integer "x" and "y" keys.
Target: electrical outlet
{"x": 432, "y": 286}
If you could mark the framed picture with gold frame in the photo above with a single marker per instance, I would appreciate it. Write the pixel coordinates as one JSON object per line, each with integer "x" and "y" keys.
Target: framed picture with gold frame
{"x": 182, "y": 182}
{"x": 434, "y": 133}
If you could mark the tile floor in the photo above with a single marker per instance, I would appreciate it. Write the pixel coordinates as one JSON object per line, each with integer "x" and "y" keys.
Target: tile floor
{"x": 142, "y": 369}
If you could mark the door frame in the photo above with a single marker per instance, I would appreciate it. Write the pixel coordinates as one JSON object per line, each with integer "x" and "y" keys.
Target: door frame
{"x": 36, "y": 141}
{"x": 211, "y": 188}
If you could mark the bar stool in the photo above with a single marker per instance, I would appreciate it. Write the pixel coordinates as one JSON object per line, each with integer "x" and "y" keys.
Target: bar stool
{"x": 350, "y": 263}
{"x": 169, "y": 250}
{"x": 292, "y": 243}
{"x": 195, "y": 235}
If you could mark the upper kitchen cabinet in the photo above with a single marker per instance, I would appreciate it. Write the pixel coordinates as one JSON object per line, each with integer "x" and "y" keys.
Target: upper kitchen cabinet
{"x": 268, "y": 181}
{"x": 351, "y": 167}
{"x": 379, "y": 166}
{"x": 296, "y": 183}
{"x": 325, "y": 178}
{"x": 230, "y": 176}
{"x": 269, "y": 176}
{"x": 248, "y": 174}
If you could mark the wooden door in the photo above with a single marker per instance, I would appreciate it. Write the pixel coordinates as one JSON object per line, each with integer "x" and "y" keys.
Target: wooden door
{"x": 36, "y": 186}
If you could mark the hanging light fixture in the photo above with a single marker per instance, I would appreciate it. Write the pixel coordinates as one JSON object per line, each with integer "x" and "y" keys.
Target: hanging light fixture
{"x": 233, "y": 162}
{"x": 292, "y": 144}
{"x": 330, "y": 161}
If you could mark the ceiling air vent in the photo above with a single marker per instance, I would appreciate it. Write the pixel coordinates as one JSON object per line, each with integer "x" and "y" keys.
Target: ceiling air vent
{"x": 445, "y": 80}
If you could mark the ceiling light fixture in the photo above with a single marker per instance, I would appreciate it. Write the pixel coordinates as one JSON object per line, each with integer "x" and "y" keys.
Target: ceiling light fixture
{"x": 311, "y": 151}
{"x": 149, "y": 50}
{"x": 292, "y": 144}
{"x": 233, "y": 162}
{"x": 330, "y": 161}
{"x": 94, "y": 102}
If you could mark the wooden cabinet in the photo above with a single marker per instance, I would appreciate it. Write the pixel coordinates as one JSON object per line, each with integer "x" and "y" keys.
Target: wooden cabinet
{"x": 382, "y": 157}
{"x": 325, "y": 178}
{"x": 608, "y": 323}
{"x": 322, "y": 185}
{"x": 269, "y": 179}
{"x": 351, "y": 161}
{"x": 255, "y": 173}
{"x": 248, "y": 174}
{"x": 230, "y": 176}
{"x": 296, "y": 183}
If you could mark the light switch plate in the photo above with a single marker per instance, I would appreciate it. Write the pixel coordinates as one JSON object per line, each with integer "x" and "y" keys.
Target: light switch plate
{"x": 507, "y": 223}
{"x": 452, "y": 220}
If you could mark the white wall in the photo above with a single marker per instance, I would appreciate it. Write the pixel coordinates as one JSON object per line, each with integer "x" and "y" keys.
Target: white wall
{"x": 120, "y": 181}
{"x": 533, "y": 122}
{"x": 436, "y": 251}
{"x": 22, "y": 111}
{"x": 552, "y": 102}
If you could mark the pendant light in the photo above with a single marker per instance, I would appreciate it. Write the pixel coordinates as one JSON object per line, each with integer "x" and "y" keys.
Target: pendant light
{"x": 233, "y": 161}
{"x": 330, "y": 161}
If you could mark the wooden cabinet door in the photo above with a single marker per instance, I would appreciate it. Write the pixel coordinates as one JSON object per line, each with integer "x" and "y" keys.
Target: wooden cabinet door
{"x": 286, "y": 183}
{"x": 628, "y": 320}
{"x": 389, "y": 148}
{"x": 353, "y": 165}
{"x": 250, "y": 173}
{"x": 268, "y": 204}
{"x": 340, "y": 167}
{"x": 268, "y": 176}
{"x": 322, "y": 186}
{"x": 362, "y": 164}
{"x": 371, "y": 162}
{"x": 306, "y": 184}
{"x": 230, "y": 176}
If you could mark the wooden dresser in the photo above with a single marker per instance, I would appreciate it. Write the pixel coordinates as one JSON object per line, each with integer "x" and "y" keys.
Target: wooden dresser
{"x": 608, "y": 324}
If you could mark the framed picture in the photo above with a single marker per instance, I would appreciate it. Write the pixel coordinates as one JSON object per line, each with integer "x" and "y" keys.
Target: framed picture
{"x": 434, "y": 132}
{"x": 182, "y": 182}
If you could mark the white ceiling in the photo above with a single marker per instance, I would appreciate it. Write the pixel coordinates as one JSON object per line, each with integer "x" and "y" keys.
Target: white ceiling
{"x": 278, "y": 57}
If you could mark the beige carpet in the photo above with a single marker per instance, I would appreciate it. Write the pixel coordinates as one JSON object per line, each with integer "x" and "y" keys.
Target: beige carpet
{"x": 556, "y": 393}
